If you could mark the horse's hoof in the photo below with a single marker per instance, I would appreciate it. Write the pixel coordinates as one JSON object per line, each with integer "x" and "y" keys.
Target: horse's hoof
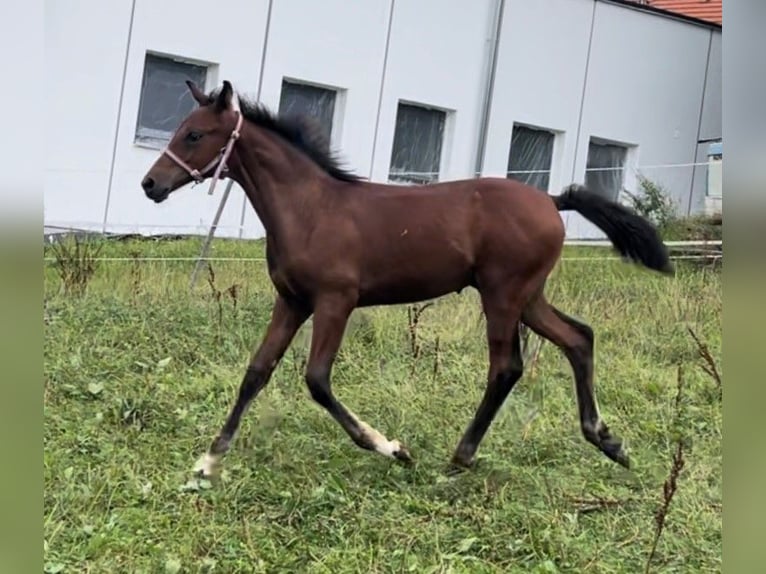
{"x": 459, "y": 466}
{"x": 617, "y": 454}
{"x": 207, "y": 466}
{"x": 401, "y": 453}
{"x": 611, "y": 445}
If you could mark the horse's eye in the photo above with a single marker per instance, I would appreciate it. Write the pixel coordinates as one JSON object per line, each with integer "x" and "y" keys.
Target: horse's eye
{"x": 193, "y": 137}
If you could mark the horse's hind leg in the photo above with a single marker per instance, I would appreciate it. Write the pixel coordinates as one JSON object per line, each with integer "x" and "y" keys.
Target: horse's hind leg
{"x": 576, "y": 340}
{"x": 505, "y": 369}
{"x": 330, "y": 316}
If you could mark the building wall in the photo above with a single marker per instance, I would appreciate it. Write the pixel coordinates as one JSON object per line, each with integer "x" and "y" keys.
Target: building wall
{"x": 581, "y": 68}
{"x": 710, "y": 127}
{"x": 437, "y": 57}
{"x": 644, "y": 88}
{"x": 173, "y": 27}
{"x": 341, "y": 45}
{"x": 710, "y": 123}
{"x": 539, "y": 79}
{"x": 81, "y": 114}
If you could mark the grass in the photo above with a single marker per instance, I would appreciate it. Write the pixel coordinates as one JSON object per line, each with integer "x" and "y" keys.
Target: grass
{"x": 696, "y": 227}
{"x": 139, "y": 374}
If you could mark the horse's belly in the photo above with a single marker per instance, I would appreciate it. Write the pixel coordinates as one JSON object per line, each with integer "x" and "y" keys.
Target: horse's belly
{"x": 409, "y": 284}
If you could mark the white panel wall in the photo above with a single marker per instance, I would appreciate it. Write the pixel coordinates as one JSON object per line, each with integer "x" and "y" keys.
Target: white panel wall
{"x": 710, "y": 122}
{"x": 337, "y": 44}
{"x": 437, "y": 56}
{"x": 82, "y": 85}
{"x": 644, "y": 88}
{"x": 711, "y": 110}
{"x": 539, "y": 79}
{"x": 233, "y": 40}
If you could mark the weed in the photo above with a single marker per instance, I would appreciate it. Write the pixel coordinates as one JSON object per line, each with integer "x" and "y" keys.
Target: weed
{"x": 670, "y": 486}
{"x": 135, "y": 274}
{"x": 652, "y": 202}
{"x": 413, "y": 318}
{"x": 709, "y": 363}
{"x": 75, "y": 260}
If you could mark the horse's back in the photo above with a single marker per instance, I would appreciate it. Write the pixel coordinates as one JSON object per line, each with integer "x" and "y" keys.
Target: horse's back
{"x": 513, "y": 212}
{"x": 424, "y": 241}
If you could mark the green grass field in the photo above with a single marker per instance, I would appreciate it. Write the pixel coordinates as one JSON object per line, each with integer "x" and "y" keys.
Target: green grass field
{"x": 139, "y": 374}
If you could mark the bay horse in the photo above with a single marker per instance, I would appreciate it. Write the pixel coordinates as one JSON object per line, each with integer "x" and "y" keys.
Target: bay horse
{"x": 336, "y": 242}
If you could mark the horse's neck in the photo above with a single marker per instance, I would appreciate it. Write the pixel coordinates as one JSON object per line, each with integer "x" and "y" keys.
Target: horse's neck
{"x": 283, "y": 186}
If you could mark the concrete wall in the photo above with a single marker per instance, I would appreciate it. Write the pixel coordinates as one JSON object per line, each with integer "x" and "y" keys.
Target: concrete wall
{"x": 173, "y": 27}
{"x": 80, "y": 113}
{"x": 437, "y": 57}
{"x": 581, "y": 68}
{"x": 644, "y": 88}
{"x": 341, "y": 46}
{"x": 710, "y": 122}
{"x": 539, "y": 79}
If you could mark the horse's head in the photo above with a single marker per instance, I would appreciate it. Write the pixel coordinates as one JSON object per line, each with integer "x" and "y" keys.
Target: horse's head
{"x": 201, "y": 143}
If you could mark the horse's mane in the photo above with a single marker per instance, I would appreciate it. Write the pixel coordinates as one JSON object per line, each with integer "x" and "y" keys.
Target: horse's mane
{"x": 300, "y": 131}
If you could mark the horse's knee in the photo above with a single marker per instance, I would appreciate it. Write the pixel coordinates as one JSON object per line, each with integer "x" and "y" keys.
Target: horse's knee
{"x": 585, "y": 331}
{"x": 255, "y": 377}
{"x": 507, "y": 378}
{"x": 255, "y": 373}
{"x": 318, "y": 382}
{"x": 511, "y": 372}
{"x": 515, "y": 372}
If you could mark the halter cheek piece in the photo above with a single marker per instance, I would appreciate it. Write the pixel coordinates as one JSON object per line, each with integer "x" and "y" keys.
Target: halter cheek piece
{"x": 220, "y": 159}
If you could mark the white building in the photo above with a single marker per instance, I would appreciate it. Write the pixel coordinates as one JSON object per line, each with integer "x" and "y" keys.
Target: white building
{"x": 413, "y": 90}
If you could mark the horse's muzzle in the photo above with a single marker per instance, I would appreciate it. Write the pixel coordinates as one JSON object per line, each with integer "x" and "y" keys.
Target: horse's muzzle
{"x": 155, "y": 192}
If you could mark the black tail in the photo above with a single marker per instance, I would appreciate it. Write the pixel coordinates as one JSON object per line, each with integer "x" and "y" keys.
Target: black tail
{"x": 634, "y": 237}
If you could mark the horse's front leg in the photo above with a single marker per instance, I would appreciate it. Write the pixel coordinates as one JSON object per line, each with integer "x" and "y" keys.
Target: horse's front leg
{"x": 285, "y": 322}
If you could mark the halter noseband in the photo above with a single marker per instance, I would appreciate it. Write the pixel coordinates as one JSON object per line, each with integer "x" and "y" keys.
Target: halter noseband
{"x": 220, "y": 159}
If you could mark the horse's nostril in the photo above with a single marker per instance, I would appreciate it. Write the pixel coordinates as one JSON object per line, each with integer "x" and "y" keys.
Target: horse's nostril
{"x": 148, "y": 184}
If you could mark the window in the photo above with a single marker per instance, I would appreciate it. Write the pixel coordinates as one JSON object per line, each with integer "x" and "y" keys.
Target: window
{"x": 530, "y": 156}
{"x": 604, "y": 168}
{"x": 714, "y": 170}
{"x": 165, "y": 98}
{"x": 305, "y": 100}
{"x": 417, "y": 150}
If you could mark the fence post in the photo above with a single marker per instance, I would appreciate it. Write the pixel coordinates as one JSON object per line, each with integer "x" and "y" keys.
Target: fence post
{"x": 210, "y": 233}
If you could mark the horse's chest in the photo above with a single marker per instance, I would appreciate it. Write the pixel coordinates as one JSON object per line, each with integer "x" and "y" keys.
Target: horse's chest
{"x": 277, "y": 272}
{"x": 284, "y": 277}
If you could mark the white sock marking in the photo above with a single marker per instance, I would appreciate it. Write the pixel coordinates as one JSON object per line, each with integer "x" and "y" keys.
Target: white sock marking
{"x": 380, "y": 442}
{"x": 207, "y": 464}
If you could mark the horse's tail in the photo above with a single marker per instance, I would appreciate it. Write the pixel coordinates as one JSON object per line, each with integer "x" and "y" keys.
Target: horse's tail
{"x": 634, "y": 237}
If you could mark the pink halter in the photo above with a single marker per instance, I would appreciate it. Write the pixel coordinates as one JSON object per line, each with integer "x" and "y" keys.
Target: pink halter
{"x": 220, "y": 159}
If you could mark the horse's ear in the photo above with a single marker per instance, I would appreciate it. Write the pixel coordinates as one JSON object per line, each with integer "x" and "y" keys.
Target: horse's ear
{"x": 223, "y": 101}
{"x": 197, "y": 94}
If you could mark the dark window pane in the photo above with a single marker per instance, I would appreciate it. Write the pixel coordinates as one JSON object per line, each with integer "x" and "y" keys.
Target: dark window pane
{"x": 312, "y": 101}
{"x": 601, "y": 177}
{"x": 416, "y": 154}
{"x": 530, "y": 156}
{"x": 165, "y": 98}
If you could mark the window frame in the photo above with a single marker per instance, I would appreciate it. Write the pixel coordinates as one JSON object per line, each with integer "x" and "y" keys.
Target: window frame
{"x": 339, "y": 104}
{"x": 152, "y": 138}
{"x": 553, "y": 160}
{"x": 447, "y": 117}
{"x": 628, "y": 158}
